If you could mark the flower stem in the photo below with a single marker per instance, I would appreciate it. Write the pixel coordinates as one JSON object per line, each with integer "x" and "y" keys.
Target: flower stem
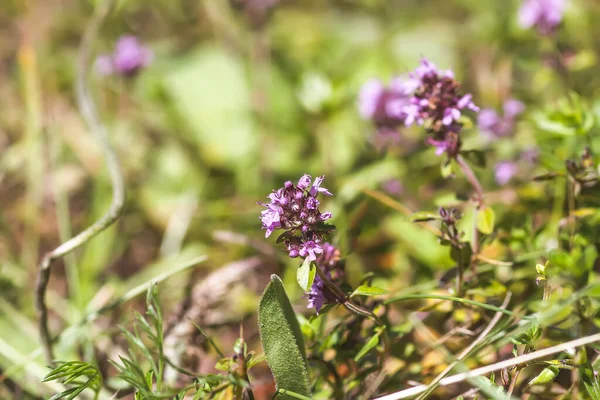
{"x": 351, "y": 306}
{"x": 472, "y": 178}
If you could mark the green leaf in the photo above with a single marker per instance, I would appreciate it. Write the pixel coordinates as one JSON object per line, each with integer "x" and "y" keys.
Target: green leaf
{"x": 282, "y": 340}
{"x": 547, "y": 375}
{"x": 77, "y": 373}
{"x": 476, "y": 157}
{"x": 485, "y": 220}
{"x": 306, "y": 274}
{"x": 462, "y": 255}
{"x": 373, "y": 341}
{"x": 365, "y": 290}
{"x": 590, "y": 381}
{"x": 447, "y": 169}
{"x": 424, "y": 216}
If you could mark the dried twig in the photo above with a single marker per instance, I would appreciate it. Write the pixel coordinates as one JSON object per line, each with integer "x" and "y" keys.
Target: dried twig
{"x": 88, "y": 110}
{"x": 469, "y": 348}
{"x": 525, "y": 358}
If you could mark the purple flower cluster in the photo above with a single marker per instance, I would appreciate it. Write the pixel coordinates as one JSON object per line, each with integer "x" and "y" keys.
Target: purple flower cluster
{"x": 545, "y": 15}
{"x": 437, "y": 104}
{"x": 128, "y": 58}
{"x": 319, "y": 294}
{"x": 429, "y": 97}
{"x": 495, "y": 126}
{"x": 295, "y": 209}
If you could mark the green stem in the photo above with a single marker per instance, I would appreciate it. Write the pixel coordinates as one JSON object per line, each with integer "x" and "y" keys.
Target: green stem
{"x": 345, "y": 300}
{"x": 449, "y": 298}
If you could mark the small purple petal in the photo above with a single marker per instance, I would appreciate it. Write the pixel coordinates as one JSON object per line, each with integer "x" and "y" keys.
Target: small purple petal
{"x": 325, "y": 216}
{"x": 316, "y": 187}
{"x": 304, "y": 182}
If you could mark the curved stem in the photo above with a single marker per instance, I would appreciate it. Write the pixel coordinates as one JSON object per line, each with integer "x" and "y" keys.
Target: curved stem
{"x": 472, "y": 178}
{"x": 88, "y": 110}
{"x": 451, "y": 298}
{"x": 470, "y": 175}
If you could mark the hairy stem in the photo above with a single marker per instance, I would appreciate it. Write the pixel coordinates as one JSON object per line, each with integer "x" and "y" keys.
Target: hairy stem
{"x": 88, "y": 110}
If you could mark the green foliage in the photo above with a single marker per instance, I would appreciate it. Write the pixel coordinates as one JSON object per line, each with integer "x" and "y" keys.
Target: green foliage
{"x": 282, "y": 340}
{"x": 370, "y": 344}
{"x": 548, "y": 375}
{"x": 306, "y": 274}
{"x": 590, "y": 381}
{"x": 78, "y": 374}
{"x": 485, "y": 220}
{"x": 146, "y": 339}
{"x": 366, "y": 290}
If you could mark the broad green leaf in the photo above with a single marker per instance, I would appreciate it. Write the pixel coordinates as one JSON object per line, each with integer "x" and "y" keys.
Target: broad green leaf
{"x": 282, "y": 340}
{"x": 306, "y": 274}
{"x": 365, "y": 290}
{"x": 485, "y": 220}
{"x": 547, "y": 375}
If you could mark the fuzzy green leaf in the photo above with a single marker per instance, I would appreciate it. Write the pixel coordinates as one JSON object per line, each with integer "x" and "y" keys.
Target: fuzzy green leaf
{"x": 282, "y": 340}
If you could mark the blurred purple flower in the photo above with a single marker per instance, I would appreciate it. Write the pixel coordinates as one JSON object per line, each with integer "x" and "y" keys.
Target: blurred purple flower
{"x": 545, "y": 15}
{"x": 530, "y": 155}
{"x": 437, "y": 103}
{"x": 393, "y": 187}
{"x": 128, "y": 58}
{"x": 319, "y": 294}
{"x": 504, "y": 171}
{"x": 295, "y": 209}
{"x": 495, "y": 126}
{"x": 383, "y": 105}
{"x": 436, "y": 97}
